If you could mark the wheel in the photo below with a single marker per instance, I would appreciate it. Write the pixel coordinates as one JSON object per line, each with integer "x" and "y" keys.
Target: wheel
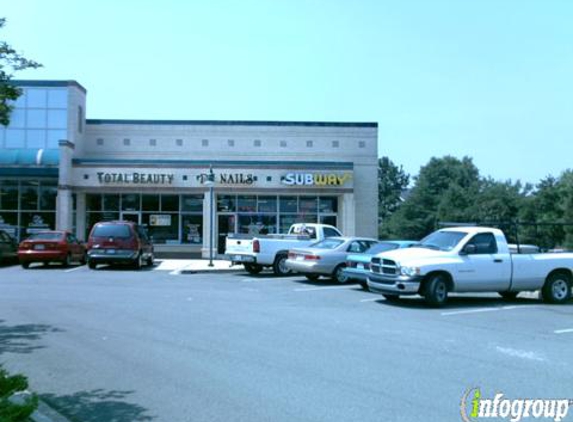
{"x": 508, "y": 295}
{"x": 557, "y": 288}
{"x": 436, "y": 290}
{"x": 312, "y": 277}
{"x": 92, "y": 265}
{"x": 68, "y": 261}
{"x": 338, "y": 274}
{"x": 84, "y": 259}
{"x": 391, "y": 298}
{"x": 150, "y": 260}
{"x": 279, "y": 267}
{"x": 25, "y": 265}
{"x": 138, "y": 263}
{"x": 364, "y": 286}
{"x": 253, "y": 268}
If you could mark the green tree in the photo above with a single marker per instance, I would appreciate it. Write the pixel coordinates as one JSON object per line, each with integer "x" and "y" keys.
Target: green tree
{"x": 444, "y": 190}
{"x": 10, "y": 61}
{"x": 10, "y": 411}
{"x": 392, "y": 181}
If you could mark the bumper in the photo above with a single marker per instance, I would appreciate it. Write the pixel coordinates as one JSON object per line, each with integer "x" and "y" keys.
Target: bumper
{"x": 308, "y": 267}
{"x": 354, "y": 274}
{"x": 41, "y": 256}
{"x": 397, "y": 285}
{"x": 117, "y": 257}
{"x": 241, "y": 259}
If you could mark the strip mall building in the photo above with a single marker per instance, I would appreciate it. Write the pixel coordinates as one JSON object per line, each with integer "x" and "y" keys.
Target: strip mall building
{"x": 61, "y": 170}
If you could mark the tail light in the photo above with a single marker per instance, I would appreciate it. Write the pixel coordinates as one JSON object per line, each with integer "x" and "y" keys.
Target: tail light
{"x": 25, "y": 245}
{"x": 291, "y": 255}
{"x": 350, "y": 264}
{"x": 311, "y": 257}
{"x": 256, "y": 246}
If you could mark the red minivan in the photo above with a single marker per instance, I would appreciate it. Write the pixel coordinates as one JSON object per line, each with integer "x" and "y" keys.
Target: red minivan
{"x": 119, "y": 242}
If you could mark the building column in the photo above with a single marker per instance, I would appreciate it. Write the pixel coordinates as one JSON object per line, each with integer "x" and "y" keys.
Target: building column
{"x": 64, "y": 203}
{"x": 348, "y": 215}
{"x": 208, "y": 207}
{"x": 81, "y": 216}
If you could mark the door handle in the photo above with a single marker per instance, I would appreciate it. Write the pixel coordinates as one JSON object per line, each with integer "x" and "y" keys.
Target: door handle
{"x": 498, "y": 260}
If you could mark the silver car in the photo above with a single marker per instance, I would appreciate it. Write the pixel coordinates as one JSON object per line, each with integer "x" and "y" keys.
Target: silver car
{"x": 327, "y": 257}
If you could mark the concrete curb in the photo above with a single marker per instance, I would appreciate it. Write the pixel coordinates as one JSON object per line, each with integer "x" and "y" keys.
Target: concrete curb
{"x": 44, "y": 413}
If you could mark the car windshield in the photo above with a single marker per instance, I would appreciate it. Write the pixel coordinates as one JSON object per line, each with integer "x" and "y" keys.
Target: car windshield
{"x": 111, "y": 230}
{"x": 441, "y": 240}
{"x": 45, "y": 236}
{"x": 328, "y": 244}
{"x": 381, "y": 247}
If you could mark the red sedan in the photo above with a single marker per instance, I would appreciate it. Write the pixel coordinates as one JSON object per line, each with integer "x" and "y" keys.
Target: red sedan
{"x": 51, "y": 246}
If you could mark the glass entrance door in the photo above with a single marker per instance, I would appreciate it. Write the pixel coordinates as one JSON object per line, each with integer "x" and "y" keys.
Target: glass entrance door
{"x": 131, "y": 216}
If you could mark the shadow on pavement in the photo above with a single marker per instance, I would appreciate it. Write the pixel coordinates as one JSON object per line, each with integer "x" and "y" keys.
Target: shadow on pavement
{"x": 23, "y": 338}
{"x": 98, "y": 406}
{"x": 459, "y": 302}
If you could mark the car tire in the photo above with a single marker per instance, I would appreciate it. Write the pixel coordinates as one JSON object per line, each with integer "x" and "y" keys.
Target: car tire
{"x": 253, "y": 268}
{"x": 509, "y": 295}
{"x": 138, "y": 263}
{"x": 364, "y": 286}
{"x": 338, "y": 274}
{"x": 25, "y": 265}
{"x": 557, "y": 288}
{"x": 436, "y": 290}
{"x": 84, "y": 259}
{"x": 150, "y": 260}
{"x": 279, "y": 266}
{"x": 91, "y": 265}
{"x": 312, "y": 277}
{"x": 67, "y": 261}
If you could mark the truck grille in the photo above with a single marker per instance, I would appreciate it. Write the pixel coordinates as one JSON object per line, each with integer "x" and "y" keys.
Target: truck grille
{"x": 383, "y": 266}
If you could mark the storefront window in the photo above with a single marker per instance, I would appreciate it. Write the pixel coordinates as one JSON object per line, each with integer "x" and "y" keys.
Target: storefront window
{"x": 111, "y": 202}
{"x": 36, "y": 221}
{"x": 308, "y": 205}
{"x": 29, "y": 196}
{"x": 169, "y": 202}
{"x": 164, "y": 228}
{"x": 192, "y": 203}
{"x": 328, "y": 204}
{"x": 247, "y": 203}
{"x": 328, "y": 219}
{"x": 48, "y": 194}
{"x": 150, "y": 202}
{"x": 257, "y": 224}
{"x": 93, "y": 202}
{"x": 267, "y": 204}
{"x": 130, "y": 202}
{"x": 289, "y": 204}
{"x": 9, "y": 195}
{"x": 226, "y": 203}
{"x": 192, "y": 226}
{"x": 9, "y": 223}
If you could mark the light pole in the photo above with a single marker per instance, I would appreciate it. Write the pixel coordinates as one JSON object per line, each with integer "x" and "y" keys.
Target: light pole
{"x": 209, "y": 180}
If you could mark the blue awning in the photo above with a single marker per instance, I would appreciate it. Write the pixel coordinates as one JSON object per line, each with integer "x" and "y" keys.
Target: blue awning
{"x": 29, "y": 157}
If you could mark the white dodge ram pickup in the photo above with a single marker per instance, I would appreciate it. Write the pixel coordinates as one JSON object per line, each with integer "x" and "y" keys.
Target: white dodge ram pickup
{"x": 469, "y": 259}
{"x": 271, "y": 250}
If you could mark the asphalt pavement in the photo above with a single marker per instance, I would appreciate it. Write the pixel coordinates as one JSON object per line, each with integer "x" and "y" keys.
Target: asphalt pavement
{"x": 165, "y": 344}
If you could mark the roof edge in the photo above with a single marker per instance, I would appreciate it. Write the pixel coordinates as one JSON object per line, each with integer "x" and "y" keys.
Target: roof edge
{"x": 230, "y": 123}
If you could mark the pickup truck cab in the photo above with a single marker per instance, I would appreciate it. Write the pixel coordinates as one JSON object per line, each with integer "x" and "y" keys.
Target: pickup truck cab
{"x": 256, "y": 253}
{"x": 469, "y": 259}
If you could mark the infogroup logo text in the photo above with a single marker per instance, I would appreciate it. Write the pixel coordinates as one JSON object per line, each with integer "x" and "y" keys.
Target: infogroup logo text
{"x": 474, "y": 407}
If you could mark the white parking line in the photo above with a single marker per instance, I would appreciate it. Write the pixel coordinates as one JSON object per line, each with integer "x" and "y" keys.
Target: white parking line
{"x": 73, "y": 269}
{"x": 371, "y": 300}
{"x": 312, "y": 289}
{"x": 566, "y": 330}
{"x": 470, "y": 311}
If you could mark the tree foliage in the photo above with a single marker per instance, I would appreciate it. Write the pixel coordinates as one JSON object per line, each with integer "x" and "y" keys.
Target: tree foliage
{"x": 392, "y": 181}
{"x": 449, "y": 189}
{"x": 11, "y": 411}
{"x": 10, "y": 61}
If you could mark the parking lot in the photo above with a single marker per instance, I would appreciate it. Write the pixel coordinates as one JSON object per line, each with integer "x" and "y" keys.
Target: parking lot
{"x": 162, "y": 345}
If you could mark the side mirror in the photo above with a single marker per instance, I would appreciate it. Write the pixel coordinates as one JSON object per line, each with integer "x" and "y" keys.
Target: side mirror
{"x": 469, "y": 250}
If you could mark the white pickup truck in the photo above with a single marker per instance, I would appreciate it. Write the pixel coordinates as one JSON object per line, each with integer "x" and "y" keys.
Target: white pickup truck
{"x": 469, "y": 259}
{"x": 271, "y": 250}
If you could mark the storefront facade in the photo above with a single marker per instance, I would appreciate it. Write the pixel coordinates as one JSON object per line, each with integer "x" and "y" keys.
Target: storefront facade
{"x": 267, "y": 175}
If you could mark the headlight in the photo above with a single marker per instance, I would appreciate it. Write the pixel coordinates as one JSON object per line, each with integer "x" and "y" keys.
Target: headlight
{"x": 410, "y": 271}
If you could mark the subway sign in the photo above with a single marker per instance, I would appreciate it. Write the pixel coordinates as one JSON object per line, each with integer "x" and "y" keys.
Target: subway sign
{"x": 316, "y": 179}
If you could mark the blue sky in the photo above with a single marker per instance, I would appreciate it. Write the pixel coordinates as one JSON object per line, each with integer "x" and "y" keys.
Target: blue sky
{"x": 491, "y": 79}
